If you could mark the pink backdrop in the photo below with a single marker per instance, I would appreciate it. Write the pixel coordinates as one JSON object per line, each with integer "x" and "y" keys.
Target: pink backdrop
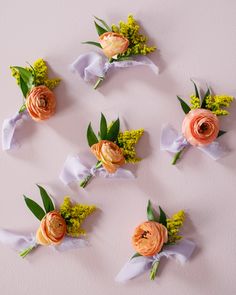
{"x": 196, "y": 39}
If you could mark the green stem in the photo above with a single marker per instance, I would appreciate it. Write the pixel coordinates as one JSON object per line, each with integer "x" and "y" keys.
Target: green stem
{"x": 22, "y": 109}
{"x": 154, "y": 269}
{"x": 177, "y": 156}
{"x": 26, "y": 251}
{"x": 99, "y": 81}
{"x": 87, "y": 179}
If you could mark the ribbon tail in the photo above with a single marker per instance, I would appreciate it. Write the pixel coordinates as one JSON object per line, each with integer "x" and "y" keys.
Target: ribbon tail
{"x": 215, "y": 150}
{"x": 9, "y": 130}
{"x": 133, "y": 268}
{"x": 182, "y": 251}
{"x": 73, "y": 170}
{"x": 120, "y": 173}
{"x": 16, "y": 241}
{"x": 70, "y": 243}
{"x": 90, "y": 66}
{"x": 170, "y": 140}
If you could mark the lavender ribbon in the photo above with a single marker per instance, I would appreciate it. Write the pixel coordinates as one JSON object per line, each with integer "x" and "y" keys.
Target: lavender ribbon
{"x": 20, "y": 242}
{"x": 138, "y": 265}
{"x": 172, "y": 142}
{"x": 9, "y": 130}
{"x": 74, "y": 169}
{"x": 93, "y": 65}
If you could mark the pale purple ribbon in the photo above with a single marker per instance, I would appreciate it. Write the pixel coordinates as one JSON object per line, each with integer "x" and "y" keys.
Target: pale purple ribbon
{"x": 172, "y": 142}
{"x": 138, "y": 265}
{"x": 93, "y": 65}
{"x": 9, "y": 127}
{"x": 20, "y": 242}
{"x": 74, "y": 169}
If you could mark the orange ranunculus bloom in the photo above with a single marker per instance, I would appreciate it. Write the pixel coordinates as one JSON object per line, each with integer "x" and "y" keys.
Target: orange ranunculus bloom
{"x": 109, "y": 154}
{"x": 41, "y": 103}
{"x": 200, "y": 127}
{"x": 113, "y": 44}
{"x": 149, "y": 238}
{"x": 52, "y": 229}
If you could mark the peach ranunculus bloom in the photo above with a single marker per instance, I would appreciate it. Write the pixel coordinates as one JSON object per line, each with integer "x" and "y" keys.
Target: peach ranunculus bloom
{"x": 149, "y": 238}
{"x": 113, "y": 44}
{"x": 200, "y": 127}
{"x": 109, "y": 154}
{"x": 41, "y": 103}
{"x": 52, "y": 229}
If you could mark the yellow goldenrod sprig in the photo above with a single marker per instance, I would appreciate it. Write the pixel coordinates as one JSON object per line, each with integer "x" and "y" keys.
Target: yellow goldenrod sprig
{"x": 173, "y": 226}
{"x": 74, "y": 216}
{"x": 216, "y": 103}
{"x": 137, "y": 41}
{"x": 127, "y": 141}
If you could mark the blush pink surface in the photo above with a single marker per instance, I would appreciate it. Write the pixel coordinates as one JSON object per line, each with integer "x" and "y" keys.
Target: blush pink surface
{"x": 196, "y": 39}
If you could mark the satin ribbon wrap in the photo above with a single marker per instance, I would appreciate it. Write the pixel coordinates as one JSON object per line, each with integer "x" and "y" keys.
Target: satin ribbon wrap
{"x": 139, "y": 265}
{"x": 9, "y": 128}
{"x": 74, "y": 169}
{"x": 20, "y": 242}
{"x": 93, "y": 65}
{"x": 172, "y": 142}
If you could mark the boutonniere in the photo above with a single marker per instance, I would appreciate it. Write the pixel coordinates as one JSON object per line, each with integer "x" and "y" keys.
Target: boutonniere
{"x": 200, "y": 127}
{"x": 39, "y": 102}
{"x": 121, "y": 46}
{"x": 153, "y": 239}
{"x": 111, "y": 147}
{"x": 59, "y": 227}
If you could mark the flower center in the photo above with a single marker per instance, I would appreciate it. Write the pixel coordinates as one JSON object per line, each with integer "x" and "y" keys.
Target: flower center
{"x": 42, "y": 102}
{"x": 203, "y": 128}
{"x": 144, "y": 234}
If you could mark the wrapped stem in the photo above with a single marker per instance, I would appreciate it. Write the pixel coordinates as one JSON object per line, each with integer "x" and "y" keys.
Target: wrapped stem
{"x": 154, "y": 269}
{"x": 177, "y": 156}
{"x": 99, "y": 81}
{"x": 26, "y": 251}
{"x": 88, "y": 178}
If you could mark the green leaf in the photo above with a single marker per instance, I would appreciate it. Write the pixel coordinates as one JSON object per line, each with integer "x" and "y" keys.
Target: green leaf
{"x": 35, "y": 208}
{"x": 91, "y": 137}
{"x": 104, "y": 23}
{"x": 103, "y": 127}
{"x": 24, "y": 88}
{"x": 47, "y": 202}
{"x": 99, "y": 29}
{"x": 150, "y": 213}
{"x": 114, "y": 131}
{"x": 203, "y": 105}
{"x": 221, "y": 132}
{"x": 92, "y": 43}
{"x": 196, "y": 90}
{"x": 184, "y": 105}
{"x": 135, "y": 255}
{"x": 162, "y": 218}
{"x": 26, "y": 75}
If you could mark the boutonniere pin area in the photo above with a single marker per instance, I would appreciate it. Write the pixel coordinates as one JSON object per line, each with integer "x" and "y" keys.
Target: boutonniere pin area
{"x": 59, "y": 227}
{"x": 121, "y": 46}
{"x": 153, "y": 239}
{"x": 111, "y": 147}
{"x": 39, "y": 102}
{"x": 200, "y": 127}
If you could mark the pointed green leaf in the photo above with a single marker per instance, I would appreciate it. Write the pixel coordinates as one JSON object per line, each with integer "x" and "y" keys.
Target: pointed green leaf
{"x": 162, "y": 217}
{"x": 135, "y": 255}
{"x": 91, "y": 137}
{"x": 184, "y": 105}
{"x": 114, "y": 131}
{"x": 196, "y": 90}
{"x": 150, "y": 213}
{"x": 24, "y": 88}
{"x": 35, "y": 208}
{"x": 103, "y": 127}
{"x": 104, "y": 23}
{"x": 203, "y": 105}
{"x": 26, "y": 75}
{"x": 47, "y": 202}
{"x": 92, "y": 43}
{"x": 221, "y": 132}
{"x": 99, "y": 29}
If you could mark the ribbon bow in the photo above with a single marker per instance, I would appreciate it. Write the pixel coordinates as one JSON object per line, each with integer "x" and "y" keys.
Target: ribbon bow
{"x": 138, "y": 265}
